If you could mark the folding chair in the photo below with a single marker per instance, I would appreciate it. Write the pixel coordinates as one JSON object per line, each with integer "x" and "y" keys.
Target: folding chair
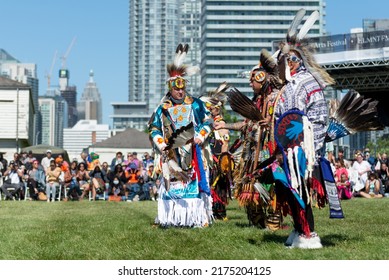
{"x": 11, "y": 189}
{"x": 26, "y": 191}
{"x": 102, "y": 196}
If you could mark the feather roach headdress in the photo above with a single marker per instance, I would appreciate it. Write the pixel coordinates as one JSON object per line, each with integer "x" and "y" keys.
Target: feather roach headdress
{"x": 269, "y": 64}
{"x": 217, "y": 97}
{"x": 178, "y": 70}
{"x": 266, "y": 72}
{"x": 352, "y": 114}
{"x": 296, "y": 41}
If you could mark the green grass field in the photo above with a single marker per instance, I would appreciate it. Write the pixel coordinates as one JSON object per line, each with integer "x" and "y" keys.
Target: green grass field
{"x": 105, "y": 230}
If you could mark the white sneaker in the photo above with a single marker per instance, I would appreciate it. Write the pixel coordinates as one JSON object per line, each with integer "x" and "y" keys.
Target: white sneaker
{"x": 136, "y": 198}
{"x": 48, "y": 200}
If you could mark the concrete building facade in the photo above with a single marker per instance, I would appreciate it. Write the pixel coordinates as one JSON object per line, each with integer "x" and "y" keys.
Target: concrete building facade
{"x": 17, "y": 127}
{"x": 83, "y": 134}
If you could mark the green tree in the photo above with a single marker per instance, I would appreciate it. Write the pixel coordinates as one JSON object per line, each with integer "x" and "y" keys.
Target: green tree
{"x": 380, "y": 147}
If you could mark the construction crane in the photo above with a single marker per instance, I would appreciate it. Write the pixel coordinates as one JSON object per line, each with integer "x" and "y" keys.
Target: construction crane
{"x": 48, "y": 75}
{"x": 64, "y": 57}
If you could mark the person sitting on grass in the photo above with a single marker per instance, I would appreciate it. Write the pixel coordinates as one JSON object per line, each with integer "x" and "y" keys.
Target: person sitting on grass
{"x": 344, "y": 187}
{"x": 372, "y": 187}
{"x": 116, "y": 189}
{"x": 139, "y": 191}
{"x": 155, "y": 189}
{"x": 132, "y": 176}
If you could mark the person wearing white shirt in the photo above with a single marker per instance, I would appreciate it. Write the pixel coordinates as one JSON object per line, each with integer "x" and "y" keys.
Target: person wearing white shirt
{"x": 13, "y": 180}
{"x": 361, "y": 166}
{"x": 46, "y": 161}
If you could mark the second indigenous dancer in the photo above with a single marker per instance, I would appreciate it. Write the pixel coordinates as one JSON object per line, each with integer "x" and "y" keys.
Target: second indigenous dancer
{"x": 254, "y": 188}
{"x": 223, "y": 163}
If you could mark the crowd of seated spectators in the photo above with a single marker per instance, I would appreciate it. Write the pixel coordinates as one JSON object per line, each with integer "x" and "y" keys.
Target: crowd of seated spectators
{"x": 129, "y": 178}
{"x": 53, "y": 179}
{"x": 363, "y": 176}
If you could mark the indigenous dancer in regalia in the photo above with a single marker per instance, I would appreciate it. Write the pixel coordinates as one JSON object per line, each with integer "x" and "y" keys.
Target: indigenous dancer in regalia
{"x": 223, "y": 163}
{"x": 254, "y": 188}
{"x": 178, "y": 129}
{"x": 300, "y": 132}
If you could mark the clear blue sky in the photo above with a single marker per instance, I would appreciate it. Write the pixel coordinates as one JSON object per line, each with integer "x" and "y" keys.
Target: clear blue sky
{"x": 32, "y": 31}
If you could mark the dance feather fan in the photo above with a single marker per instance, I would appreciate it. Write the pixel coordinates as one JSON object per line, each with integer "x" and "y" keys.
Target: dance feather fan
{"x": 243, "y": 105}
{"x": 181, "y": 137}
{"x": 353, "y": 114}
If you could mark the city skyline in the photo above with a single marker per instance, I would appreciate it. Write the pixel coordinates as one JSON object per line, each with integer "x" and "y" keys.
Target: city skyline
{"x": 100, "y": 34}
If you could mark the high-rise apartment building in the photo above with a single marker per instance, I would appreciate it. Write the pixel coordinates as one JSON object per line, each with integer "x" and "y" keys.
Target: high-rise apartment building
{"x": 234, "y": 32}
{"x": 154, "y": 35}
{"x": 190, "y": 33}
{"x": 225, "y": 38}
{"x": 156, "y": 28}
{"x": 90, "y": 106}
{"x": 70, "y": 95}
{"x": 54, "y": 116}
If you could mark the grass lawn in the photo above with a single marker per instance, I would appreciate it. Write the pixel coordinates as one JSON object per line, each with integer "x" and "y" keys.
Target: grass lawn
{"x": 105, "y": 230}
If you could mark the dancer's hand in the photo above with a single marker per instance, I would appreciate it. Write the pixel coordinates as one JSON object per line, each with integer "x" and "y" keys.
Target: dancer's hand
{"x": 198, "y": 141}
{"x": 219, "y": 125}
{"x": 265, "y": 121}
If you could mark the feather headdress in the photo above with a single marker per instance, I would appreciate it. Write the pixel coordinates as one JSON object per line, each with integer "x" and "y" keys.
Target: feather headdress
{"x": 352, "y": 114}
{"x": 269, "y": 64}
{"x": 296, "y": 41}
{"x": 178, "y": 70}
{"x": 217, "y": 97}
